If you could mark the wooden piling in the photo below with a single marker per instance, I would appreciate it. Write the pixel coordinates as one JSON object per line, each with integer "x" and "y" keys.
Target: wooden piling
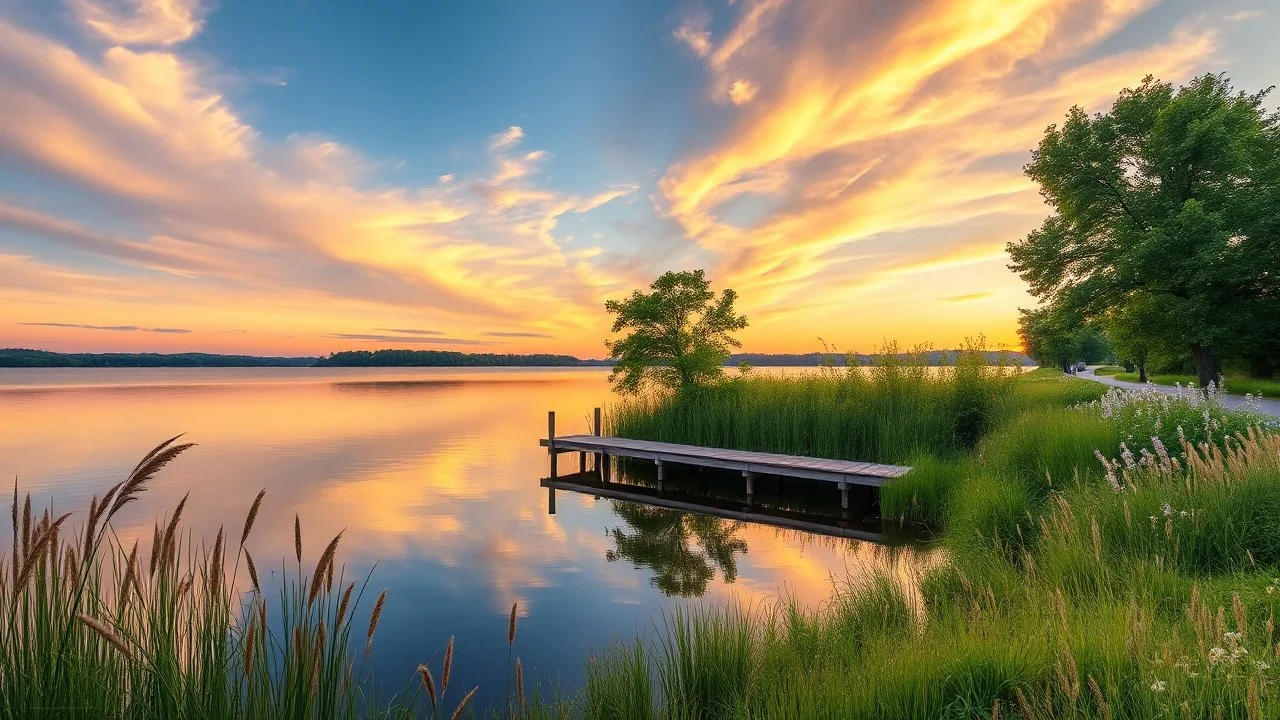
{"x": 551, "y": 440}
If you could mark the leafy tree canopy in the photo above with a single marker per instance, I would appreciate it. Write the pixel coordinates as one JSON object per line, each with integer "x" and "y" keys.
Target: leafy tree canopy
{"x": 676, "y": 336}
{"x": 1172, "y": 197}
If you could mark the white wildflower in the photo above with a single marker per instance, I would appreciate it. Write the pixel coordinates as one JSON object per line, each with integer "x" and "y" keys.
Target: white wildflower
{"x": 1158, "y": 686}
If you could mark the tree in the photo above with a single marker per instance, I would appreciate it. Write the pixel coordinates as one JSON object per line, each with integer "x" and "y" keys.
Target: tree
{"x": 1046, "y": 338}
{"x": 677, "y": 336}
{"x": 1172, "y": 195}
{"x": 1134, "y": 329}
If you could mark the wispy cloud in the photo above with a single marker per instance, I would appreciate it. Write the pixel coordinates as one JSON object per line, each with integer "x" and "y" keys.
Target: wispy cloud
{"x": 1244, "y": 15}
{"x": 516, "y": 334}
{"x": 140, "y": 22}
{"x": 403, "y": 339}
{"x": 968, "y": 297}
{"x": 410, "y": 331}
{"x": 116, "y": 328}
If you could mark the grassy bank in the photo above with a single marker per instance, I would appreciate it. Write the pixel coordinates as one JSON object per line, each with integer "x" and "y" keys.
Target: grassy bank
{"x": 1233, "y": 384}
{"x": 1108, "y": 370}
{"x": 1110, "y": 557}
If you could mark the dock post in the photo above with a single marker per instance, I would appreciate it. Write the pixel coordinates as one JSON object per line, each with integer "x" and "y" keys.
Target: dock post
{"x": 582, "y": 462}
{"x": 595, "y": 430}
{"x": 661, "y": 474}
{"x": 751, "y": 487}
{"x": 844, "y": 496}
{"x": 551, "y": 501}
{"x": 551, "y": 440}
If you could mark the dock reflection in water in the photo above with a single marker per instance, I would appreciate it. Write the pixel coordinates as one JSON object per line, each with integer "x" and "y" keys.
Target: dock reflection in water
{"x": 686, "y": 526}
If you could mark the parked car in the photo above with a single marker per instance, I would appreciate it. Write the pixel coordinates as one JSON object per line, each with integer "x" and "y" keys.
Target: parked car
{"x": 1080, "y": 366}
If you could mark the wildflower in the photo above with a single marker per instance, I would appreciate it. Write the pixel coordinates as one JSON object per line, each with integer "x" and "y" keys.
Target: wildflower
{"x": 1216, "y": 655}
{"x": 1166, "y": 510}
{"x": 1233, "y": 637}
{"x": 1158, "y": 686}
{"x": 1261, "y": 665}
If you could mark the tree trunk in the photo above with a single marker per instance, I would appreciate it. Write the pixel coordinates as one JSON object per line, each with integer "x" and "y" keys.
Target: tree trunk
{"x": 1207, "y": 368}
{"x": 1142, "y": 368}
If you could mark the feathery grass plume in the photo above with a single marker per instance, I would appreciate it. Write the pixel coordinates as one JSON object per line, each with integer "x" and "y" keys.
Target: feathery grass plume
{"x": 328, "y": 577}
{"x": 250, "y": 638}
{"x": 995, "y": 710}
{"x": 1255, "y": 709}
{"x": 511, "y": 627}
{"x": 90, "y": 526}
{"x": 342, "y": 606}
{"x": 151, "y": 463}
{"x": 297, "y": 538}
{"x": 462, "y": 706}
{"x": 253, "y": 572}
{"x": 325, "y": 562}
{"x": 17, "y": 532}
{"x": 107, "y": 634}
{"x": 318, "y": 658}
{"x": 373, "y": 621}
{"x": 26, "y": 525}
{"x": 215, "y": 564}
{"x": 520, "y": 684}
{"x": 429, "y": 684}
{"x": 1024, "y": 707}
{"x": 35, "y": 553}
{"x": 253, "y": 515}
{"x": 170, "y": 532}
{"x": 446, "y": 667}
{"x": 1099, "y": 698}
{"x": 131, "y": 571}
{"x": 157, "y": 546}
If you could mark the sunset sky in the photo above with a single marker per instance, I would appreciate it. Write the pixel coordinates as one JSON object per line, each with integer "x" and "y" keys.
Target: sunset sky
{"x": 304, "y": 176}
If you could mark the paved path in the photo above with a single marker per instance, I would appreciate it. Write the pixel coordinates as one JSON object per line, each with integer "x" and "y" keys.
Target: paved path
{"x": 1266, "y": 406}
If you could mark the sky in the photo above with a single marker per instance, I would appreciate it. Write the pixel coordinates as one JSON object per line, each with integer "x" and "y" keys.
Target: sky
{"x": 298, "y": 177}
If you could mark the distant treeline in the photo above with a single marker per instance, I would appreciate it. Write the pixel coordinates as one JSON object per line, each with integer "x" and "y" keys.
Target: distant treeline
{"x": 422, "y": 358}
{"x": 933, "y": 357}
{"x": 446, "y": 358}
{"x": 41, "y": 358}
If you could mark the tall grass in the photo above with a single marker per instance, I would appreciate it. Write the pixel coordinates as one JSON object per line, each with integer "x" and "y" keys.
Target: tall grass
{"x": 93, "y": 628}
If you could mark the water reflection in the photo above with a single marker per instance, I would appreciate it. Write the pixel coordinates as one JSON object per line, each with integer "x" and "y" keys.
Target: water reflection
{"x": 661, "y": 540}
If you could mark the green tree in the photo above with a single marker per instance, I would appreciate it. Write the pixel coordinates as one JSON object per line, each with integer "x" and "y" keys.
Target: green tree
{"x": 1174, "y": 195}
{"x": 676, "y": 336}
{"x": 1046, "y": 337}
{"x": 1134, "y": 329}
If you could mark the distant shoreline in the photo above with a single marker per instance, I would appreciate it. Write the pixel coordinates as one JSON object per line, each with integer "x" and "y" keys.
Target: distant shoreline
{"x": 29, "y": 358}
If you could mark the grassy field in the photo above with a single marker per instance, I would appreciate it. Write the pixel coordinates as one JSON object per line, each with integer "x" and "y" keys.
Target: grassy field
{"x": 1235, "y": 385}
{"x": 1108, "y": 370}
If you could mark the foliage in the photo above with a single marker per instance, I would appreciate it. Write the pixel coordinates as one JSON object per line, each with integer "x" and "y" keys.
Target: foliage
{"x": 1171, "y": 197}
{"x": 677, "y": 336}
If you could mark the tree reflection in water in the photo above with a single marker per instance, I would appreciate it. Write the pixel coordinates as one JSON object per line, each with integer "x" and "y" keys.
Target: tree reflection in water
{"x": 661, "y": 540}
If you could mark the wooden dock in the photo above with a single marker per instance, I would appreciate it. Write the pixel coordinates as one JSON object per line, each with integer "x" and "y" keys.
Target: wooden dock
{"x": 842, "y": 473}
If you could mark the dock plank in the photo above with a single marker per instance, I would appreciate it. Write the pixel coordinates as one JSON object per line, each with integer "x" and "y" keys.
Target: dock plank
{"x": 824, "y": 469}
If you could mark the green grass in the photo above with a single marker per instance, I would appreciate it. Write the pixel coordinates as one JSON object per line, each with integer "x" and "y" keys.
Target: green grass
{"x": 1108, "y": 370}
{"x": 1234, "y": 384}
{"x": 1068, "y": 593}
{"x": 92, "y": 628}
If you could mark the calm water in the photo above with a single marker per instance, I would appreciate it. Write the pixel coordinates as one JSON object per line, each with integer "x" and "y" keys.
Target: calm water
{"x": 433, "y": 474}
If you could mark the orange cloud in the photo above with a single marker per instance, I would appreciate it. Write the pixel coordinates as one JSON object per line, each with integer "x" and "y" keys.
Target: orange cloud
{"x": 860, "y": 148}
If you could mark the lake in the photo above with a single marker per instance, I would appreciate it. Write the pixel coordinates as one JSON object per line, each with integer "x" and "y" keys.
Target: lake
{"x": 432, "y": 474}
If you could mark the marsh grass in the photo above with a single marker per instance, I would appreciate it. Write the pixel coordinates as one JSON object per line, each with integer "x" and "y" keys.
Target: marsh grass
{"x": 93, "y": 628}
